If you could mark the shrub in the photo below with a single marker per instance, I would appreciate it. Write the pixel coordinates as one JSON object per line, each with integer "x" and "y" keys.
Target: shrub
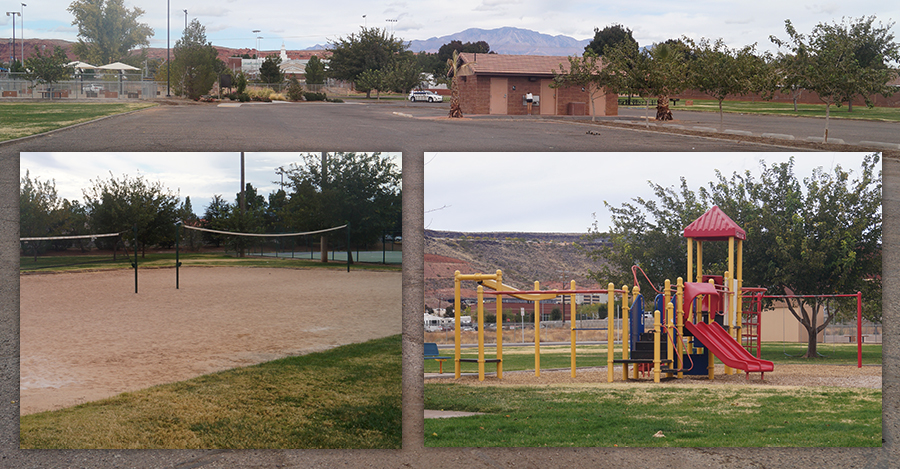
{"x": 309, "y": 96}
{"x": 294, "y": 90}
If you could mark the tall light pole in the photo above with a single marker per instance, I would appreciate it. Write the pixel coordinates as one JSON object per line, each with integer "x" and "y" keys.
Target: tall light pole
{"x": 185, "y": 21}
{"x": 366, "y": 21}
{"x": 168, "y": 43}
{"x": 22, "y": 25}
{"x": 392, "y": 24}
{"x": 13, "y": 14}
{"x": 256, "y": 33}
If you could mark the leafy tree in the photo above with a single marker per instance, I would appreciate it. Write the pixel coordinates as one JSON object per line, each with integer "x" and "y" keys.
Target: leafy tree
{"x": 403, "y": 75}
{"x": 608, "y": 37}
{"x": 820, "y": 236}
{"x": 107, "y": 31}
{"x": 38, "y": 204}
{"x": 315, "y": 71}
{"x": 445, "y": 52}
{"x": 49, "y": 69}
{"x": 360, "y": 188}
{"x": 372, "y": 80}
{"x": 720, "y": 71}
{"x": 214, "y": 218}
{"x": 196, "y": 62}
{"x": 370, "y": 49}
{"x": 185, "y": 213}
{"x": 585, "y": 72}
{"x": 657, "y": 71}
{"x": 117, "y": 205}
{"x": 269, "y": 71}
{"x": 839, "y": 61}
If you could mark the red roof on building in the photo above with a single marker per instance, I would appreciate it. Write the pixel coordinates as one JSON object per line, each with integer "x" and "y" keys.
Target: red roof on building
{"x": 501, "y": 64}
{"x": 714, "y": 225}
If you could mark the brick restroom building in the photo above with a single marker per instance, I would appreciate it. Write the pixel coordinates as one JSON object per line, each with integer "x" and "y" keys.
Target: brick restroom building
{"x": 498, "y": 84}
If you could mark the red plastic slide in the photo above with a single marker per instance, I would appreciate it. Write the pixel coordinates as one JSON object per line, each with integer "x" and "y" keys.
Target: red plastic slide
{"x": 726, "y": 349}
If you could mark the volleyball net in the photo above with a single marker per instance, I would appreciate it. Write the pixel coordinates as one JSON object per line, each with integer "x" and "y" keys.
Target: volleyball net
{"x": 89, "y": 250}
{"x": 297, "y": 245}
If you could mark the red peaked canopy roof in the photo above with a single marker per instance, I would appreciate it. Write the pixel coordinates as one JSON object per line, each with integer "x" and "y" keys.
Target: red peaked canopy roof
{"x": 714, "y": 225}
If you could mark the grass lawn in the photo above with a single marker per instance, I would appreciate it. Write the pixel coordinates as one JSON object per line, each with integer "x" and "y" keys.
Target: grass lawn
{"x": 628, "y": 415}
{"x": 784, "y": 109}
{"x": 24, "y": 119}
{"x": 347, "y": 397}
{"x": 689, "y": 414}
{"x": 105, "y": 261}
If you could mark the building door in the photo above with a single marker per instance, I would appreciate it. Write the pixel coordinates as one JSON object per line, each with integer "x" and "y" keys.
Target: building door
{"x": 499, "y": 89}
{"x": 548, "y": 99}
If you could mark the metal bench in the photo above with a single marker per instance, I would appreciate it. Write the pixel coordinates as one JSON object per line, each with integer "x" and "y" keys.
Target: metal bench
{"x": 431, "y": 353}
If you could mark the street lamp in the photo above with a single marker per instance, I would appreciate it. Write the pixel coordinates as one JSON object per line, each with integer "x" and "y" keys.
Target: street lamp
{"x": 366, "y": 21}
{"x": 256, "y": 33}
{"x": 22, "y": 25}
{"x": 168, "y": 43}
{"x": 13, "y": 14}
{"x": 185, "y": 21}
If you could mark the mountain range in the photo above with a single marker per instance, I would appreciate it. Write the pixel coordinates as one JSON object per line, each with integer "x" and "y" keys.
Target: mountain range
{"x": 508, "y": 40}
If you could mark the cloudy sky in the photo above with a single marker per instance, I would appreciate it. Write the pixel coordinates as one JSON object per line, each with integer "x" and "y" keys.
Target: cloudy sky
{"x": 197, "y": 175}
{"x": 560, "y": 192}
{"x": 299, "y": 25}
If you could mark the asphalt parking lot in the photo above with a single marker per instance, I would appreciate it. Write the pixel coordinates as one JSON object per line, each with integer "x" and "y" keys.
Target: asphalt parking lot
{"x": 370, "y": 126}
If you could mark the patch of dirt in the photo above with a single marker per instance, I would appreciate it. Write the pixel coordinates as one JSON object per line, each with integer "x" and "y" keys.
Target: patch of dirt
{"x": 88, "y": 336}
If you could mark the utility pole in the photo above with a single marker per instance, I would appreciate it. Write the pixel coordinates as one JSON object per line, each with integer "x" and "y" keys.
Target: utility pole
{"x": 323, "y": 239}
{"x": 243, "y": 197}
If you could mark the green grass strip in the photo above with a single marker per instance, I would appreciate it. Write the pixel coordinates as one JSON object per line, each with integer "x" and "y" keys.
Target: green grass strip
{"x": 522, "y": 358}
{"x": 629, "y": 415}
{"x": 784, "y": 109}
{"x": 23, "y": 119}
{"x": 347, "y": 397}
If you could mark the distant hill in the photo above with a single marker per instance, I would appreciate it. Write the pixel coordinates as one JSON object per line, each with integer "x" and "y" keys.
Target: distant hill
{"x": 509, "y": 40}
{"x": 551, "y": 258}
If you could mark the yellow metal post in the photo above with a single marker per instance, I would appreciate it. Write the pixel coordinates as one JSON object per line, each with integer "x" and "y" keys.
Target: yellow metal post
{"x": 537, "y": 332}
{"x": 499, "y": 311}
{"x": 690, "y": 259}
{"x": 656, "y": 345}
{"x": 699, "y": 261}
{"x": 625, "y": 331}
{"x": 457, "y": 313}
{"x": 571, "y": 322}
{"x": 610, "y": 329}
{"x": 480, "y": 333}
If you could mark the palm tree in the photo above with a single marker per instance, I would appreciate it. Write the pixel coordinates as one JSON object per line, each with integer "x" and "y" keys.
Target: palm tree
{"x": 455, "y": 68}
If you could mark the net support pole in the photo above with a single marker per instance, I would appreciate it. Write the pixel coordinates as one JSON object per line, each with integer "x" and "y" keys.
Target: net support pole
{"x": 859, "y": 329}
{"x": 348, "y": 246}
{"x": 135, "y": 264}
{"x": 177, "y": 262}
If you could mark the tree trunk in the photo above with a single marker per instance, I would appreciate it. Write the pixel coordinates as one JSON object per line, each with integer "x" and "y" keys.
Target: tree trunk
{"x": 662, "y": 109}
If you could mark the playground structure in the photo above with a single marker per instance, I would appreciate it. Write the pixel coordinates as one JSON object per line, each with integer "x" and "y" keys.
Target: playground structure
{"x": 708, "y": 313}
